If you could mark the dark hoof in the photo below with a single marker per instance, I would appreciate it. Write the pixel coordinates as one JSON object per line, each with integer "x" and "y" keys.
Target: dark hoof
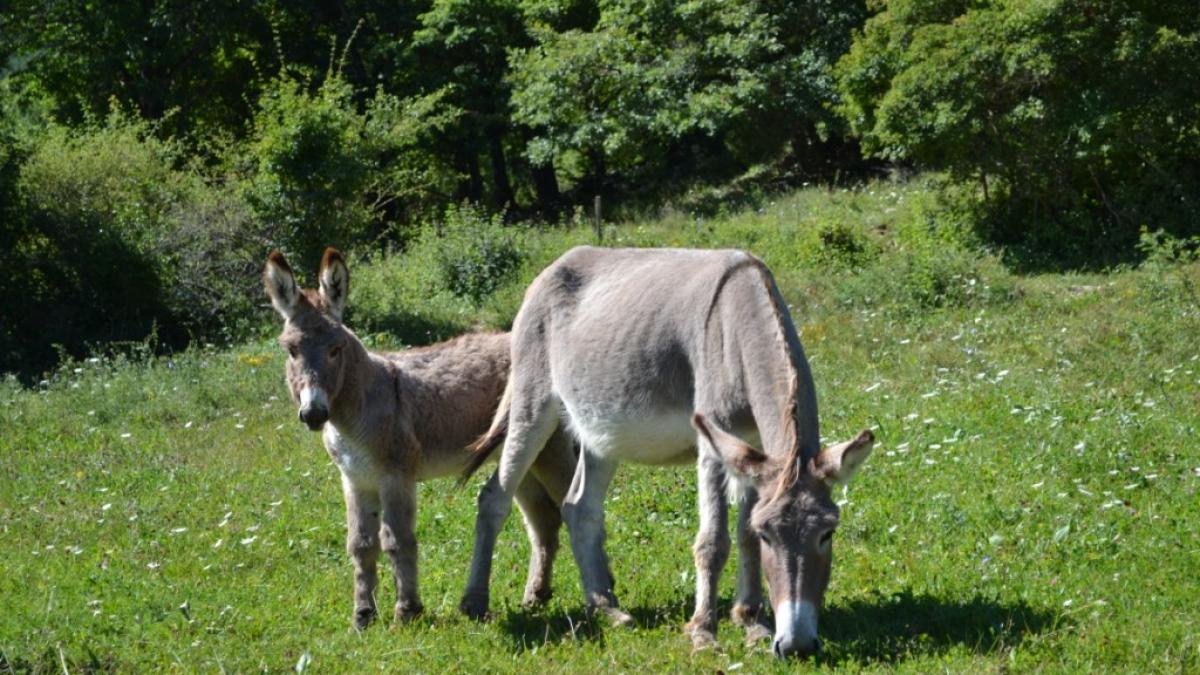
{"x": 474, "y": 607}
{"x": 363, "y": 616}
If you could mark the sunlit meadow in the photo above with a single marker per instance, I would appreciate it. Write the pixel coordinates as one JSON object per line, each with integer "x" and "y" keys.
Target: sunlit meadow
{"x": 1031, "y": 504}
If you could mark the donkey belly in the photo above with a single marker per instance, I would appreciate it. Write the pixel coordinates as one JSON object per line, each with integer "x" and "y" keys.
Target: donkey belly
{"x": 658, "y": 437}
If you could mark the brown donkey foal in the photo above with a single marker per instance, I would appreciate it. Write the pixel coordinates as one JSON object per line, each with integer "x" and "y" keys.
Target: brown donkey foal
{"x": 392, "y": 419}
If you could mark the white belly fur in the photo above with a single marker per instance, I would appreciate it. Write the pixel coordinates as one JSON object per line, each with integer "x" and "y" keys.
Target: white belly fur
{"x": 658, "y": 438}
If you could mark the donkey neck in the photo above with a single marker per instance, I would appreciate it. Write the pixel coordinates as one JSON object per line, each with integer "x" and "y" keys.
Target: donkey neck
{"x": 356, "y": 410}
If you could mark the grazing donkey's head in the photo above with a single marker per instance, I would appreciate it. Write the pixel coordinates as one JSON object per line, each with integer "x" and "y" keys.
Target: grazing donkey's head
{"x": 313, "y": 334}
{"x": 794, "y": 519}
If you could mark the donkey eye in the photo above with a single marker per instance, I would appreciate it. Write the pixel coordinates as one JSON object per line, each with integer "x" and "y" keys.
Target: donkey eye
{"x": 293, "y": 351}
{"x": 333, "y": 353}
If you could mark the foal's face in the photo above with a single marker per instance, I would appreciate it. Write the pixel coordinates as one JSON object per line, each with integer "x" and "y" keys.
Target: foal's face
{"x": 794, "y": 519}
{"x": 315, "y": 368}
{"x": 313, "y": 335}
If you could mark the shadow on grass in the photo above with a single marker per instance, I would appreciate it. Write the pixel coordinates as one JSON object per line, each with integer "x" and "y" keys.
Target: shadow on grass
{"x": 413, "y": 329}
{"x": 892, "y": 628}
{"x": 529, "y": 628}
{"x": 886, "y": 629}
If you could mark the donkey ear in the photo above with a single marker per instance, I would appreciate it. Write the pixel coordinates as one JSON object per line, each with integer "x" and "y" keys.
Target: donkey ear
{"x": 335, "y": 282}
{"x": 744, "y": 459}
{"x": 837, "y": 463}
{"x": 281, "y": 285}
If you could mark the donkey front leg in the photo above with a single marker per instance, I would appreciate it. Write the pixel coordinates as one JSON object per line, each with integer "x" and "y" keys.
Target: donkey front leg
{"x": 747, "y": 607}
{"x": 711, "y": 550}
{"x": 583, "y": 510}
{"x": 399, "y": 539}
{"x": 362, "y": 543}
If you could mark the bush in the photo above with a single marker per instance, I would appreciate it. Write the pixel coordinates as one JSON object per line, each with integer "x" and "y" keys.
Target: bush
{"x": 120, "y": 240}
{"x": 323, "y": 172}
{"x": 1074, "y": 121}
{"x": 475, "y": 253}
{"x": 837, "y": 244}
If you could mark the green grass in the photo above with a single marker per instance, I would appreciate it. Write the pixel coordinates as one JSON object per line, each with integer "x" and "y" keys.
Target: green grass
{"x": 1031, "y": 505}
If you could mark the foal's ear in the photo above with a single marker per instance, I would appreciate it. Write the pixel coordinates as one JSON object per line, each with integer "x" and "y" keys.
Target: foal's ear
{"x": 335, "y": 282}
{"x": 738, "y": 455}
{"x": 281, "y": 285}
{"x": 837, "y": 463}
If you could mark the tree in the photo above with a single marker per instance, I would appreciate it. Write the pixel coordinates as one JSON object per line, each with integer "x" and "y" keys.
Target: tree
{"x": 1075, "y": 118}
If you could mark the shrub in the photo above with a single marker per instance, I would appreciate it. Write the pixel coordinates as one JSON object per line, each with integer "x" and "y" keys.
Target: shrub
{"x": 323, "y": 172}
{"x": 838, "y": 244}
{"x": 475, "y": 253}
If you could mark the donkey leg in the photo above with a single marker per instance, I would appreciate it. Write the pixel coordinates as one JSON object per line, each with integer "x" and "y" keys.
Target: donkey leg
{"x": 711, "y": 549}
{"x": 399, "y": 539}
{"x": 531, "y": 422}
{"x": 362, "y": 543}
{"x": 583, "y": 511}
{"x": 747, "y": 607}
{"x": 542, "y": 522}
{"x": 493, "y": 507}
{"x": 540, "y": 502}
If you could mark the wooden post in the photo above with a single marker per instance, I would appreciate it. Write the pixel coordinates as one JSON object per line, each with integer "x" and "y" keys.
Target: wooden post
{"x": 596, "y": 220}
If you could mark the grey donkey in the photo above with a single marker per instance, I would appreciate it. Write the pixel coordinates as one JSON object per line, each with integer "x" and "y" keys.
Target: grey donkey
{"x": 392, "y": 419}
{"x": 678, "y": 356}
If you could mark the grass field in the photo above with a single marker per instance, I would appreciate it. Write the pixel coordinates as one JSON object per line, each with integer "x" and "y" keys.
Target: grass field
{"x": 1031, "y": 504}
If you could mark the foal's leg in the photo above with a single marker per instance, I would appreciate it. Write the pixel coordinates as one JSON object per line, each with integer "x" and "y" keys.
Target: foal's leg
{"x": 362, "y": 543}
{"x": 399, "y": 539}
{"x": 747, "y": 607}
{"x": 584, "y": 512}
{"x": 711, "y": 549}
{"x": 542, "y": 520}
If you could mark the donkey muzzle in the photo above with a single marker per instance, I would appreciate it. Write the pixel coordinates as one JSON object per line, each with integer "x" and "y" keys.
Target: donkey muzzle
{"x": 314, "y": 408}
{"x": 795, "y": 630}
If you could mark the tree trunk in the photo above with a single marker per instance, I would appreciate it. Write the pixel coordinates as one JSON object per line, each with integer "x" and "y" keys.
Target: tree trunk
{"x": 502, "y": 192}
{"x": 545, "y": 183}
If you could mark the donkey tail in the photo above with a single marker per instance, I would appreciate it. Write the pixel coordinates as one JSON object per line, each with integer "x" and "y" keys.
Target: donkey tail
{"x": 486, "y": 444}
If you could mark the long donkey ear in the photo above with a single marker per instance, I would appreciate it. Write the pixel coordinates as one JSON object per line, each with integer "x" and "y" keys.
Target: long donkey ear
{"x": 281, "y": 285}
{"x": 744, "y": 459}
{"x": 335, "y": 282}
{"x": 837, "y": 463}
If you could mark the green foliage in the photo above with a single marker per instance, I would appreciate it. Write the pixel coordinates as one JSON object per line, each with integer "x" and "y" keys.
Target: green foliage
{"x": 319, "y": 174}
{"x": 475, "y": 253}
{"x": 1075, "y": 119}
{"x": 628, "y": 97}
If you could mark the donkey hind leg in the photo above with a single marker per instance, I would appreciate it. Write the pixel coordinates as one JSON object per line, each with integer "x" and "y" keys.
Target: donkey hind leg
{"x": 524, "y": 441}
{"x": 583, "y": 511}
{"x": 399, "y": 539}
{"x": 748, "y": 605}
{"x": 711, "y": 549}
{"x": 493, "y": 507}
{"x": 542, "y": 522}
{"x": 362, "y": 543}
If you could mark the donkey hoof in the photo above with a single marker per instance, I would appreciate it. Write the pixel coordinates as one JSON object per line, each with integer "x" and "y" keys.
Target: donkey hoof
{"x": 703, "y": 640}
{"x": 363, "y": 616}
{"x": 474, "y": 607}
{"x": 407, "y": 611}
{"x": 535, "y": 598}
{"x": 618, "y": 618}
{"x": 757, "y": 634}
